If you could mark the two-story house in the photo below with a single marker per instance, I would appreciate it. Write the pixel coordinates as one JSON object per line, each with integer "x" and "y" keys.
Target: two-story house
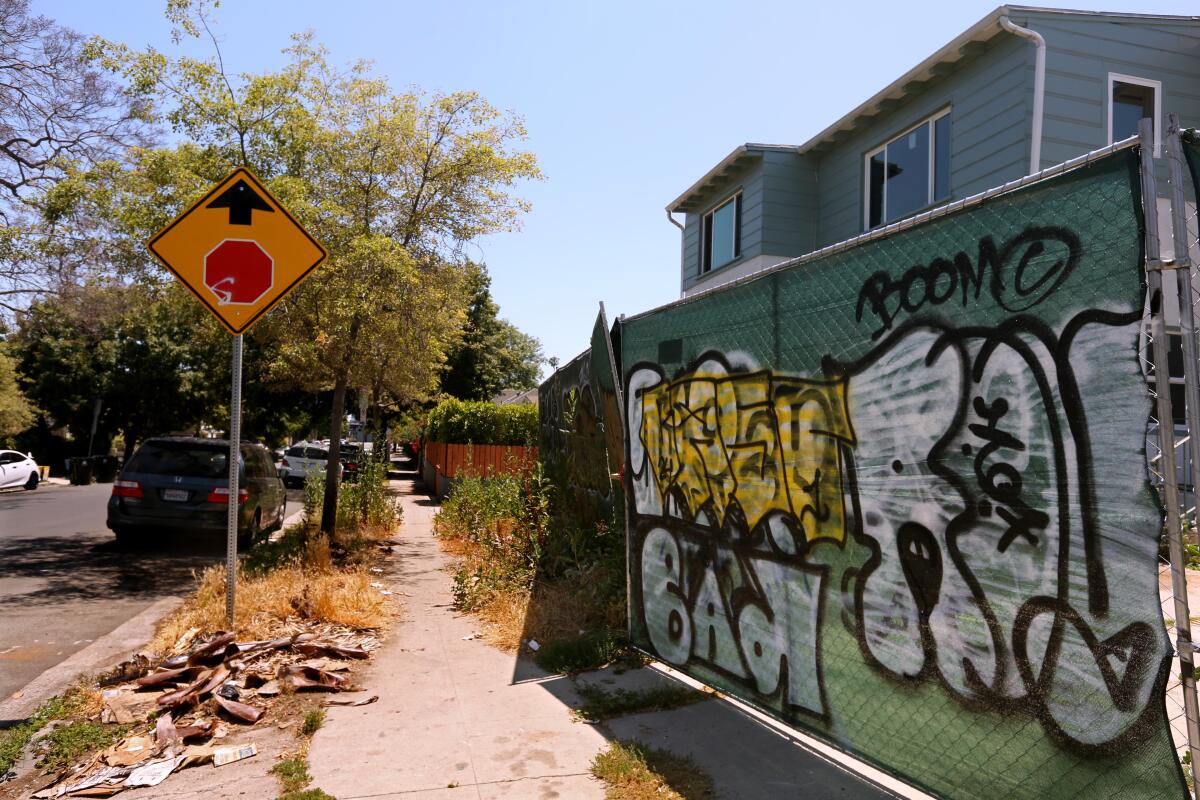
{"x": 1023, "y": 89}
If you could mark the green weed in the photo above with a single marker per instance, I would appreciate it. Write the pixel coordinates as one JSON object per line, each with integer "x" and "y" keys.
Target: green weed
{"x": 313, "y": 721}
{"x": 633, "y": 771}
{"x": 13, "y": 740}
{"x": 600, "y": 704}
{"x": 589, "y": 651}
{"x": 66, "y": 743}
{"x": 292, "y": 773}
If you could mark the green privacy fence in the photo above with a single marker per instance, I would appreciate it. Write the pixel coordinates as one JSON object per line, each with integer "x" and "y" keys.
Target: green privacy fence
{"x": 580, "y": 434}
{"x": 896, "y": 494}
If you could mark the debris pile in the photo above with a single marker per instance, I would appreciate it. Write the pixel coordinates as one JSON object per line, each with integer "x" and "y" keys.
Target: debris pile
{"x": 197, "y": 694}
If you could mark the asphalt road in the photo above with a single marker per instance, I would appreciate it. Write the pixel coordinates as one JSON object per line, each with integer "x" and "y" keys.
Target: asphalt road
{"x": 64, "y": 582}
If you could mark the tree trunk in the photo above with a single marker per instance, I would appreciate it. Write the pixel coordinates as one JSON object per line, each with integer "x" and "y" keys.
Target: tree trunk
{"x": 329, "y": 508}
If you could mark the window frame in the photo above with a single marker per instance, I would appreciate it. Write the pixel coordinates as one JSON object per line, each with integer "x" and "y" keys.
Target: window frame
{"x": 930, "y": 177}
{"x": 1133, "y": 80}
{"x": 706, "y": 265}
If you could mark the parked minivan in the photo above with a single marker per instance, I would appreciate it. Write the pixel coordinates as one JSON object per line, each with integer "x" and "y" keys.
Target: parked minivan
{"x": 176, "y": 483}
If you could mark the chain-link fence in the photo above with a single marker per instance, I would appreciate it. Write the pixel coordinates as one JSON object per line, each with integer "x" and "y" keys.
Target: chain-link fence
{"x": 895, "y": 492}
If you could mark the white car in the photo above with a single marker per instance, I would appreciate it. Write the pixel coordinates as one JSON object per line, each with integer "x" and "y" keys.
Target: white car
{"x": 301, "y": 460}
{"x": 17, "y": 469}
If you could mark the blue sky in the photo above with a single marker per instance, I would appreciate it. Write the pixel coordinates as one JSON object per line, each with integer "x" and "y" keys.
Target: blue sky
{"x": 626, "y": 104}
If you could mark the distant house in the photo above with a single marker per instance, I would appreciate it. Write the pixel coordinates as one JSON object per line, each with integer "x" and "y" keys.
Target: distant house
{"x": 1021, "y": 90}
{"x": 527, "y": 397}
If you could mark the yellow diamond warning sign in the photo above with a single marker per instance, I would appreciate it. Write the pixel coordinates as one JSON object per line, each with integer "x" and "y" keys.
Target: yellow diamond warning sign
{"x": 238, "y": 250}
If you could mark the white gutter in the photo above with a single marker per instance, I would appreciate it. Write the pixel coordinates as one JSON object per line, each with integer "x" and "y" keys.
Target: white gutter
{"x": 1039, "y": 89}
{"x": 682, "y": 241}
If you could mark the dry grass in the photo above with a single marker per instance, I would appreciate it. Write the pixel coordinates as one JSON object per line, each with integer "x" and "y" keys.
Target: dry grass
{"x": 312, "y": 589}
{"x": 551, "y": 612}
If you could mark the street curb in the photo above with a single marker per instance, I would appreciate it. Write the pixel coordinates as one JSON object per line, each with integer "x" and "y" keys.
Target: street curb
{"x": 106, "y": 651}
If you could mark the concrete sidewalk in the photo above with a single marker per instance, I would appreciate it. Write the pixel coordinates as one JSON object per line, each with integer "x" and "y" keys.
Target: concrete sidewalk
{"x": 449, "y": 721}
{"x": 457, "y": 718}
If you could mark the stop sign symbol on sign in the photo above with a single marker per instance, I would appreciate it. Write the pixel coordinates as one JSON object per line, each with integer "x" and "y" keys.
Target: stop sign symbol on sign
{"x": 238, "y": 271}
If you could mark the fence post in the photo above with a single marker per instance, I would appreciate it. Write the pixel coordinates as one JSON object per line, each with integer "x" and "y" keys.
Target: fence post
{"x": 1187, "y": 324}
{"x": 1166, "y": 433}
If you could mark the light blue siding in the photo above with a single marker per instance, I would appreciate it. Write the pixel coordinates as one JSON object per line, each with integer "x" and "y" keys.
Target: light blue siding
{"x": 793, "y": 204}
{"x": 989, "y": 97}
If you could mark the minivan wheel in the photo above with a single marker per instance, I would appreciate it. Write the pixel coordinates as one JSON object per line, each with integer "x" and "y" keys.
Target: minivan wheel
{"x": 32, "y": 483}
{"x": 246, "y": 538}
{"x": 127, "y": 537}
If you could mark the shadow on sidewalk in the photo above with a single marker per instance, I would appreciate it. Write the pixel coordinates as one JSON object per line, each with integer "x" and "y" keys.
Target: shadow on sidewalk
{"x": 745, "y": 757}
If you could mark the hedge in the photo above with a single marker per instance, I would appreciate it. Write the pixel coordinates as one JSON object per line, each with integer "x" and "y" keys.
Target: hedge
{"x": 476, "y": 422}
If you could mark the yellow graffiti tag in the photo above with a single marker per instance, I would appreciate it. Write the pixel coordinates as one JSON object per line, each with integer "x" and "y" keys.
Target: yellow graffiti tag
{"x": 755, "y": 442}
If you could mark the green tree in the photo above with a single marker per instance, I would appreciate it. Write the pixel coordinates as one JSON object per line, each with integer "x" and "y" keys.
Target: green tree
{"x": 16, "y": 413}
{"x": 147, "y": 354}
{"x": 393, "y": 184}
{"x": 493, "y": 354}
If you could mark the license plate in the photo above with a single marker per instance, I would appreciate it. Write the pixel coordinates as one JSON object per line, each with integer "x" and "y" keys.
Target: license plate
{"x": 175, "y": 495}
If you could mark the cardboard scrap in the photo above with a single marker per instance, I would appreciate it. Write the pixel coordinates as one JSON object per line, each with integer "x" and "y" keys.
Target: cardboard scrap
{"x": 128, "y": 707}
{"x": 165, "y": 731}
{"x": 300, "y": 677}
{"x": 152, "y": 773}
{"x": 239, "y": 711}
{"x": 228, "y": 755}
{"x": 133, "y": 750}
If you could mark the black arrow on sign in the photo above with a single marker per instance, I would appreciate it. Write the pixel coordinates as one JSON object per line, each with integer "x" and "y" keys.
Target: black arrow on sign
{"x": 241, "y": 200}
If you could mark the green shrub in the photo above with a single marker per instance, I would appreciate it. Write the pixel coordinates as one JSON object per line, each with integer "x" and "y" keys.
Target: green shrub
{"x": 591, "y": 650}
{"x": 472, "y": 422}
{"x": 362, "y": 503}
{"x": 506, "y": 516}
{"x": 365, "y": 502}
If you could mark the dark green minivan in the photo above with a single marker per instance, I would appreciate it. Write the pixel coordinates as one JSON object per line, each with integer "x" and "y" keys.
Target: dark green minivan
{"x": 181, "y": 484}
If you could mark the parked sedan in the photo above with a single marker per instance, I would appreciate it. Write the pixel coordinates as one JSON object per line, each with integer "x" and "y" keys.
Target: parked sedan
{"x": 182, "y": 484}
{"x": 17, "y": 469}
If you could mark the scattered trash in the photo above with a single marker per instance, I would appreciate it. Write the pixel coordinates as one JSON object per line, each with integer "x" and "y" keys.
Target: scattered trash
{"x": 126, "y": 707}
{"x": 470, "y": 636}
{"x": 534, "y": 646}
{"x": 352, "y": 703}
{"x": 177, "y": 702}
{"x": 152, "y": 773}
{"x": 125, "y": 671}
{"x": 377, "y": 570}
{"x": 228, "y": 755}
{"x": 300, "y": 677}
{"x": 165, "y": 731}
{"x": 240, "y": 711}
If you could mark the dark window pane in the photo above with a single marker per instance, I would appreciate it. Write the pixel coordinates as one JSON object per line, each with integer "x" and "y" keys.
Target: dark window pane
{"x": 188, "y": 461}
{"x": 1175, "y": 355}
{"x": 724, "y": 234}
{"x": 1178, "y": 405}
{"x": 706, "y": 251}
{"x": 908, "y": 173}
{"x": 941, "y": 158}
{"x": 296, "y": 452}
{"x": 875, "y": 191}
{"x": 1130, "y": 103}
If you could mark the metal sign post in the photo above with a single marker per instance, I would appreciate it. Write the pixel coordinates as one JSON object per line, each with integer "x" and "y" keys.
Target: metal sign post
{"x": 240, "y": 252}
{"x": 235, "y": 447}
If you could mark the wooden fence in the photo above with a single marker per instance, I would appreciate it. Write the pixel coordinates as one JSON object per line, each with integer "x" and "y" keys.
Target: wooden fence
{"x": 442, "y": 462}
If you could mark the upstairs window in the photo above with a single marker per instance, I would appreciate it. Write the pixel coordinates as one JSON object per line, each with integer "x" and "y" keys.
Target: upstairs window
{"x": 722, "y": 234}
{"x": 909, "y": 172}
{"x": 1130, "y": 100}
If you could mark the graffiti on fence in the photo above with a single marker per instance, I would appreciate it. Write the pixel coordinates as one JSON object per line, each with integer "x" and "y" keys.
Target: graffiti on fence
{"x": 950, "y": 495}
